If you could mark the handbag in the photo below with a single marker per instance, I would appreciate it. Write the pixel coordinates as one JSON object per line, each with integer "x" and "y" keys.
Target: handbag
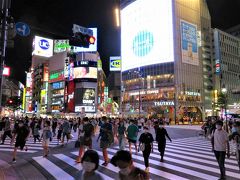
{"x": 77, "y": 144}
{"x": 142, "y": 147}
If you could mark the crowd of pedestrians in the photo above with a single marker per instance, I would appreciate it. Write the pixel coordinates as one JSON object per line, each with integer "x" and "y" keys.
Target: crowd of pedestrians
{"x": 126, "y": 133}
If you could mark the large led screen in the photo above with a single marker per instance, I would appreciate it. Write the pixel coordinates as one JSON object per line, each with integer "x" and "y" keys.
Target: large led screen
{"x": 85, "y": 73}
{"x": 85, "y": 98}
{"x": 146, "y": 33}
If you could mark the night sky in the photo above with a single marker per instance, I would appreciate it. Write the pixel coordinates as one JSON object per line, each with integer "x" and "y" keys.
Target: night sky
{"x": 54, "y": 19}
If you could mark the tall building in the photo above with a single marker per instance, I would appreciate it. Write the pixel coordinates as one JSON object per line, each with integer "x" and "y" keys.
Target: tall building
{"x": 235, "y": 30}
{"x": 166, "y": 58}
{"x": 227, "y": 65}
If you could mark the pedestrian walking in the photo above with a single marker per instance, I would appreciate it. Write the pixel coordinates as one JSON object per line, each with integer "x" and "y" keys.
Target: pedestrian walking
{"x": 36, "y": 134}
{"x": 60, "y": 130}
{"x": 106, "y": 138}
{"x": 123, "y": 160}
{"x": 132, "y": 133}
{"x": 85, "y": 136}
{"x": 90, "y": 164}
{"x": 7, "y": 130}
{"x": 146, "y": 146}
{"x": 21, "y": 134}
{"x": 66, "y": 131}
{"x": 220, "y": 144}
{"x": 46, "y": 138}
{"x": 121, "y": 135}
{"x": 54, "y": 126}
{"x": 161, "y": 134}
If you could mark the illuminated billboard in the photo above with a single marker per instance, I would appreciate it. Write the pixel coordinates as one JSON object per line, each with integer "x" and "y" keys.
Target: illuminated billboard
{"x": 115, "y": 63}
{"x": 42, "y": 46}
{"x": 85, "y": 73}
{"x": 85, "y": 98}
{"x": 6, "y": 71}
{"x": 189, "y": 43}
{"x": 146, "y": 33}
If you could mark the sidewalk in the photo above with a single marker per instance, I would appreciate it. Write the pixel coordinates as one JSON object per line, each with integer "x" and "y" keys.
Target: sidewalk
{"x": 193, "y": 127}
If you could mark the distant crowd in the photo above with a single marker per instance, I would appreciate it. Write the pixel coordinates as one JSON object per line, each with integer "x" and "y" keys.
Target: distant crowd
{"x": 141, "y": 133}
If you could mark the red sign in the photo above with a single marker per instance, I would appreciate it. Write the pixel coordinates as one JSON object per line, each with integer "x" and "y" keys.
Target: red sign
{"x": 70, "y": 99}
{"x": 6, "y": 71}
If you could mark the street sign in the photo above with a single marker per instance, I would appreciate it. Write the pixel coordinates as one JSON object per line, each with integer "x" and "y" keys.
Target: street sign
{"x": 76, "y": 28}
{"x": 22, "y": 29}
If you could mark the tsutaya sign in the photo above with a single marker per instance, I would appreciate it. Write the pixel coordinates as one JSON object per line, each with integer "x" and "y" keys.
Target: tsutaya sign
{"x": 164, "y": 103}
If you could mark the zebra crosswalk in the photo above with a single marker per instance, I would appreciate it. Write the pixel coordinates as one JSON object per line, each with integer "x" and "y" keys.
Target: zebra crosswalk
{"x": 188, "y": 158}
{"x": 31, "y": 146}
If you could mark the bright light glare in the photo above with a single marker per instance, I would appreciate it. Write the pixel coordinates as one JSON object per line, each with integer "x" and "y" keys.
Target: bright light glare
{"x": 117, "y": 17}
{"x": 224, "y": 90}
{"x": 146, "y": 33}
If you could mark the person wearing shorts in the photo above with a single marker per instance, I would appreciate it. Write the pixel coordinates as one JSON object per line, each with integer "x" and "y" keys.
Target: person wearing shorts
{"x": 47, "y": 135}
{"x": 106, "y": 135}
{"x": 132, "y": 133}
{"x": 21, "y": 134}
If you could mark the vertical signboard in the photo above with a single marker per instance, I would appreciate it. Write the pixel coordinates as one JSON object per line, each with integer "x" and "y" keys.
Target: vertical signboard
{"x": 189, "y": 43}
{"x": 70, "y": 98}
{"x": 66, "y": 67}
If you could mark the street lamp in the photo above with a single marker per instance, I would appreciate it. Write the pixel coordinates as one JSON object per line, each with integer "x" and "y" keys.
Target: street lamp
{"x": 224, "y": 92}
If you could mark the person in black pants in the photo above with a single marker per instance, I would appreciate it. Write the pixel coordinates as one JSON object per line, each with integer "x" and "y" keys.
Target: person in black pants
{"x": 146, "y": 146}
{"x": 161, "y": 134}
{"x": 7, "y": 130}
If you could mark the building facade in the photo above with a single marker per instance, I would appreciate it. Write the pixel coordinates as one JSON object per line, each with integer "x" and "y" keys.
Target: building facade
{"x": 227, "y": 66}
{"x": 167, "y": 60}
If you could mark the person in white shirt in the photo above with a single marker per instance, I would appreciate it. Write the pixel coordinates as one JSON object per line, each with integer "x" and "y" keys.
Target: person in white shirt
{"x": 219, "y": 144}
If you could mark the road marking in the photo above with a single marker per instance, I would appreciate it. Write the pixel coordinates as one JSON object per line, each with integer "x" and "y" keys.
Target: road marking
{"x": 77, "y": 166}
{"x": 54, "y": 170}
{"x": 153, "y": 170}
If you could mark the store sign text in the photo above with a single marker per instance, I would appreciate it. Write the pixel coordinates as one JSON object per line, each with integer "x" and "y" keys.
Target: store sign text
{"x": 164, "y": 103}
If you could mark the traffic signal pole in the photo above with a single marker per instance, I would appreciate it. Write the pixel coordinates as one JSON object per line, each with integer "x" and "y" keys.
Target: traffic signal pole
{"x": 5, "y": 5}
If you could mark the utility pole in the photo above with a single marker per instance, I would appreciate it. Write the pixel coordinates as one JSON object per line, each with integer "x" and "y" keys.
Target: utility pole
{"x": 5, "y": 5}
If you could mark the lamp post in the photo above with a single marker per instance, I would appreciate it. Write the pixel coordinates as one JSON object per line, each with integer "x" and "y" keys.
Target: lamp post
{"x": 224, "y": 92}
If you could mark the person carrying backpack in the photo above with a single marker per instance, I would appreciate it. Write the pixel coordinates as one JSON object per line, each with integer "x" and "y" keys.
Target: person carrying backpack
{"x": 85, "y": 137}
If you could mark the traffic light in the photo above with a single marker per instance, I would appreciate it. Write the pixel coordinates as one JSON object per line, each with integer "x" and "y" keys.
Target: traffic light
{"x": 10, "y": 101}
{"x": 82, "y": 40}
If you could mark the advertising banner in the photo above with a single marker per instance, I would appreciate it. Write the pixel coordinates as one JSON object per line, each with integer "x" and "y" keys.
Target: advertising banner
{"x": 56, "y": 76}
{"x": 70, "y": 97}
{"x": 85, "y": 72}
{"x": 115, "y": 63}
{"x": 189, "y": 43}
{"x": 61, "y": 45}
{"x": 85, "y": 98}
{"x": 42, "y": 46}
{"x": 146, "y": 33}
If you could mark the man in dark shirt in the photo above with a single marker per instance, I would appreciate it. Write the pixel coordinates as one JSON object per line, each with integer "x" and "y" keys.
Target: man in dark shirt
{"x": 128, "y": 171}
{"x": 21, "y": 134}
{"x": 7, "y": 130}
{"x": 161, "y": 134}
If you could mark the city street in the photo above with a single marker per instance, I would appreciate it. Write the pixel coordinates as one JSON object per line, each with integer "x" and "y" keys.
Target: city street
{"x": 187, "y": 157}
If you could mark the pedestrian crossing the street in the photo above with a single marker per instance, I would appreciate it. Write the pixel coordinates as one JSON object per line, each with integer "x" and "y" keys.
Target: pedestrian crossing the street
{"x": 31, "y": 146}
{"x": 188, "y": 158}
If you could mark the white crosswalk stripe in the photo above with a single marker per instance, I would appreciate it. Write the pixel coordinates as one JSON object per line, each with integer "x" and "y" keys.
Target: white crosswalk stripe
{"x": 184, "y": 159}
{"x": 31, "y": 146}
